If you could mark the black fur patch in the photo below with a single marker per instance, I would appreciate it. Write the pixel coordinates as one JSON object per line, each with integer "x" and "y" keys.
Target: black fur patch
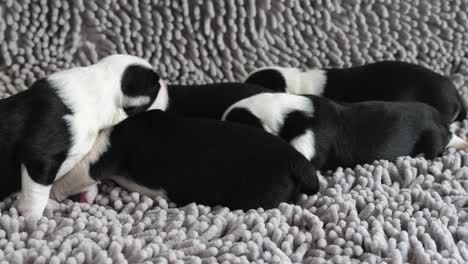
{"x": 140, "y": 81}
{"x": 395, "y": 81}
{"x": 268, "y": 78}
{"x": 209, "y": 100}
{"x": 363, "y": 132}
{"x": 244, "y": 116}
{"x": 32, "y": 132}
{"x": 295, "y": 124}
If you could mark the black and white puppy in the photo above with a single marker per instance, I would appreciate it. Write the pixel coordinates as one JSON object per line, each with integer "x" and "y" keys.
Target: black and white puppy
{"x": 46, "y": 130}
{"x": 380, "y": 81}
{"x": 193, "y": 160}
{"x": 335, "y": 135}
{"x": 208, "y": 100}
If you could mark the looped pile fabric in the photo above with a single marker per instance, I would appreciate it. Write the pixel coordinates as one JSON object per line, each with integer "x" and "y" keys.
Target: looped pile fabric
{"x": 410, "y": 210}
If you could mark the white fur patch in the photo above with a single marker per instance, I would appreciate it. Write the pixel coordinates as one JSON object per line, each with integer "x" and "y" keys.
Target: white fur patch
{"x": 162, "y": 99}
{"x": 457, "y": 143}
{"x": 89, "y": 194}
{"x": 311, "y": 81}
{"x": 135, "y": 187}
{"x": 271, "y": 108}
{"x": 33, "y": 197}
{"x": 305, "y": 144}
{"x": 78, "y": 179}
{"x": 135, "y": 101}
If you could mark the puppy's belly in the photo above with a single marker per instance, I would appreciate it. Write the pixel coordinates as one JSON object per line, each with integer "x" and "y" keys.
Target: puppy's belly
{"x": 135, "y": 187}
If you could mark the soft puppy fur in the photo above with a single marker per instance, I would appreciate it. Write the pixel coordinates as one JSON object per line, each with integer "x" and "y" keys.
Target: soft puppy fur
{"x": 208, "y": 100}
{"x": 380, "y": 81}
{"x": 195, "y": 160}
{"x": 335, "y": 135}
{"x": 46, "y": 130}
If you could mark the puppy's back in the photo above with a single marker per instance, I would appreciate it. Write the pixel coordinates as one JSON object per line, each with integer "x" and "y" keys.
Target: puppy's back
{"x": 206, "y": 161}
{"x": 208, "y": 100}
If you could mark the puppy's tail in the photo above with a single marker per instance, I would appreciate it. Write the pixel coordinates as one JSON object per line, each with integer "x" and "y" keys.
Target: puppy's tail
{"x": 305, "y": 175}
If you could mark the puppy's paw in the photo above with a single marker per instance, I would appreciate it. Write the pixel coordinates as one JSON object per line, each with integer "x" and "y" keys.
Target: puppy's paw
{"x": 463, "y": 146}
{"x": 89, "y": 195}
{"x": 53, "y": 205}
{"x": 57, "y": 195}
{"x": 29, "y": 210}
{"x": 457, "y": 143}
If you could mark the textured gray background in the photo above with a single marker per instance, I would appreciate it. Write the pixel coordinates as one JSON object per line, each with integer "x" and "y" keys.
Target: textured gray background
{"x": 412, "y": 210}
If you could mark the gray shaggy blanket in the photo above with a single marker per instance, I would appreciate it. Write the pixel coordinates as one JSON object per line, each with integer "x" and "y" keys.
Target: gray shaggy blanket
{"x": 409, "y": 210}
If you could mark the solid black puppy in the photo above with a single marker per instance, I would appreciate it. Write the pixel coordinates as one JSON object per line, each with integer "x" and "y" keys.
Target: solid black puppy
{"x": 208, "y": 100}
{"x": 380, "y": 81}
{"x": 46, "y": 130}
{"x": 195, "y": 160}
{"x": 335, "y": 135}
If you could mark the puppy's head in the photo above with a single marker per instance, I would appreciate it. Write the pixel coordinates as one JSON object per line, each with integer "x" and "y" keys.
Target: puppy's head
{"x": 140, "y": 85}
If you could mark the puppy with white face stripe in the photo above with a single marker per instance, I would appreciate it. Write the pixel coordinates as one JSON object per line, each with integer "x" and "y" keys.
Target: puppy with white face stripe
{"x": 380, "y": 81}
{"x": 46, "y": 130}
{"x": 333, "y": 135}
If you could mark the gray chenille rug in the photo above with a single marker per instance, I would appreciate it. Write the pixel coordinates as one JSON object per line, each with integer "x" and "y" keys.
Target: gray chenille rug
{"x": 410, "y": 210}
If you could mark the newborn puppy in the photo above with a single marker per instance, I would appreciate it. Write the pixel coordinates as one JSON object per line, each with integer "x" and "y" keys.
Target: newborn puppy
{"x": 208, "y": 100}
{"x": 46, "y": 130}
{"x": 335, "y": 135}
{"x": 194, "y": 160}
{"x": 380, "y": 81}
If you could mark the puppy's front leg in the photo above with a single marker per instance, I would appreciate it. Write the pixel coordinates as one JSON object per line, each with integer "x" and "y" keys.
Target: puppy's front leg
{"x": 34, "y": 196}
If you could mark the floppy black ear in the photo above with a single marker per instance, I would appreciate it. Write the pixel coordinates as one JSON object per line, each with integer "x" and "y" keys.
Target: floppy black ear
{"x": 138, "y": 80}
{"x": 140, "y": 86}
{"x": 268, "y": 78}
{"x": 243, "y": 116}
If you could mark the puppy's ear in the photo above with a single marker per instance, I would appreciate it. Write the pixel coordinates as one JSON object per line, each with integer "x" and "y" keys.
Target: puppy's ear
{"x": 140, "y": 85}
{"x": 243, "y": 116}
{"x": 269, "y": 78}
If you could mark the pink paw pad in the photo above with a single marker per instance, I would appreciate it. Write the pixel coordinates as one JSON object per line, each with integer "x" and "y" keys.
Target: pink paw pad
{"x": 86, "y": 198}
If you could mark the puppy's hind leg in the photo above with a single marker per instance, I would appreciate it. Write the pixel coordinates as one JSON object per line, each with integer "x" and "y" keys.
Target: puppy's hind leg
{"x": 33, "y": 197}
